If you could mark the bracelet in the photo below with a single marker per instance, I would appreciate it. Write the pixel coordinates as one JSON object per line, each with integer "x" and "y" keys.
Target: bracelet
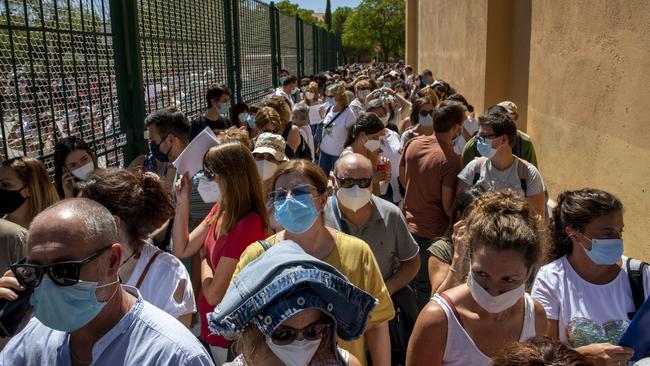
{"x": 452, "y": 269}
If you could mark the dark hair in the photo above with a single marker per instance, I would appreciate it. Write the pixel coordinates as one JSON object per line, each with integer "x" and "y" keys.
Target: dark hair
{"x": 215, "y": 91}
{"x": 305, "y": 168}
{"x": 62, "y": 149}
{"x": 427, "y": 72}
{"x": 446, "y": 115}
{"x": 417, "y": 107}
{"x": 576, "y": 209}
{"x": 283, "y": 70}
{"x": 504, "y": 221}
{"x": 235, "y": 111}
{"x": 501, "y": 124}
{"x": 290, "y": 79}
{"x": 461, "y": 99}
{"x": 539, "y": 351}
{"x": 136, "y": 197}
{"x": 462, "y": 205}
{"x": 170, "y": 120}
{"x": 367, "y": 123}
{"x": 496, "y": 109}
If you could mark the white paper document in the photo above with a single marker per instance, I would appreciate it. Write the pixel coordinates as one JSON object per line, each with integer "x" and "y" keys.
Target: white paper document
{"x": 190, "y": 160}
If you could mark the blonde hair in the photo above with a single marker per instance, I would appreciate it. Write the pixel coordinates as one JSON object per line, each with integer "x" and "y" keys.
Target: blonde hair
{"x": 240, "y": 181}
{"x": 32, "y": 173}
{"x": 266, "y": 115}
{"x": 281, "y": 106}
{"x": 234, "y": 134}
{"x": 338, "y": 91}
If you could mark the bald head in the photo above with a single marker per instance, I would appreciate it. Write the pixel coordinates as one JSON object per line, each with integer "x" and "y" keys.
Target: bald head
{"x": 354, "y": 166}
{"x": 80, "y": 224}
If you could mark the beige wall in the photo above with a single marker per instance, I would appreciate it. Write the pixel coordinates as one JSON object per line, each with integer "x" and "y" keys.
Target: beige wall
{"x": 580, "y": 73}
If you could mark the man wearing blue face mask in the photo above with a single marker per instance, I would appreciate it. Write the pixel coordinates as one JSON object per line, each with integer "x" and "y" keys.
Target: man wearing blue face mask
{"x": 82, "y": 314}
{"x": 217, "y": 98}
{"x": 287, "y": 89}
{"x": 498, "y": 168}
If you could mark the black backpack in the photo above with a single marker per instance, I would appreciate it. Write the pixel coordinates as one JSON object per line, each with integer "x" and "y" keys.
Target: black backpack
{"x": 635, "y": 269}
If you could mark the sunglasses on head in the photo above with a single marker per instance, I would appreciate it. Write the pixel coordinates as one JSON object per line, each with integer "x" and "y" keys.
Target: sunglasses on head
{"x": 282, "y": 194}
{"x": 286, "y": 335}
{"x": 62, "y": 273}
{"x": 350, "y": 182}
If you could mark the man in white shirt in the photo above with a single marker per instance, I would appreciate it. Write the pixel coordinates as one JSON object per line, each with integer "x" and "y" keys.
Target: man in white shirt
{"x": 286, "y": 89}
{"x": 82, "y": 313}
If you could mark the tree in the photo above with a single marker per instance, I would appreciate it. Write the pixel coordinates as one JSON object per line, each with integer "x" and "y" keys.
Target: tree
{"x": 376, "y": 23}
{"x": 328, "y": 15}
{"x": 339, "y": 17}
{"x": 293, "y": 9}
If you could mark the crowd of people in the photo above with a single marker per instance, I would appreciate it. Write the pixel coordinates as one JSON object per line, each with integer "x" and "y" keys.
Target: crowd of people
{"x": 367, "y": 215}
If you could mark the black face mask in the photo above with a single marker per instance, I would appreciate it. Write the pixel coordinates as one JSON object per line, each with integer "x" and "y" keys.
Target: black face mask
{"x": 155, "y": 151}
{"x": 10, "y": 201}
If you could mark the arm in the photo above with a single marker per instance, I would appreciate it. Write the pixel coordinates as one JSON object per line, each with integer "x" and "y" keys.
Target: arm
{"x": 215, "y": 283}
{"x": 448, "y": 195}
{"x": 378, "y": 340}
{"x": 404, "y": 274}
{"x": 429, "y": 338}
{"x": 538, "y": 203}
{"x": 186, "y": 244}
{"x": 441, "y": 276}
{"x": 456, "y": 272}
{"x": 541, "y": 323}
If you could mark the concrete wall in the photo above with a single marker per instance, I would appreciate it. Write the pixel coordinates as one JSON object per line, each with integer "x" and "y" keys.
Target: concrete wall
{"x": 580, "y": 73}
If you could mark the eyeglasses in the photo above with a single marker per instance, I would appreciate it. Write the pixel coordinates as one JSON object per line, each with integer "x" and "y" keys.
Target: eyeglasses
{"x": 208, "y": 174}
{"x": 282, "y": 194}
{"x": 424, "y": 113}
{"x": 483, "y": 139}
{"x": 350, "y": 182}
{"x": 286, "y": 335}
{"x": 62, "y": 273}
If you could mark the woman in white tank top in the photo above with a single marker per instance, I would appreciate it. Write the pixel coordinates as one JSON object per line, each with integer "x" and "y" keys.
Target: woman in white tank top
{"x": 470, "y": 323}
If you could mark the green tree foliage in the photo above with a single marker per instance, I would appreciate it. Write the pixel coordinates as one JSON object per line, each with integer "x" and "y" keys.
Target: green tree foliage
{"x": 288, "y": 7}
{"x": 328, "y": 15}
{"x": 339, "y": 17}
{"x": 376, "y": 23}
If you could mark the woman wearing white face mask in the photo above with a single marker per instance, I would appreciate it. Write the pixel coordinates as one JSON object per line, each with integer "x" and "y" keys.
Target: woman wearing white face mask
{"x": 74, "y": 161}
{"x": 468, "y": 324}
{"x": 268, "y": 154}
{"x": 587, "y": 290}
{"x": 237, "y": 219}
{"x": 364, "y": 139}
{"x": 421, "y": 120}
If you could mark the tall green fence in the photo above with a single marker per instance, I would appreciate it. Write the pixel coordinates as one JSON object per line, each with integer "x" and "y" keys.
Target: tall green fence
{"x": 95, "y": 68}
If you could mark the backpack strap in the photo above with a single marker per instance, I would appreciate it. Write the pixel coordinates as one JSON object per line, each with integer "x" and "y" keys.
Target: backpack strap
{"x": 516, "y": 148}
{"x": 265, "y": 244}
{"x": 522, "y": 173}
{"x": 635, "y": 269}
{"x": 477, "y": 169}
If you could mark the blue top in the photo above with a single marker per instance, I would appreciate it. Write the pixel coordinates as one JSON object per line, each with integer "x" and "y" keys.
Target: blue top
{"x": 145, "y": 336}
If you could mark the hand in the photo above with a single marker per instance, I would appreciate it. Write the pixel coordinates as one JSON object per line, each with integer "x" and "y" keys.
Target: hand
{"x": 460, "y": 238}
{"x": 606, "y": 354}
{"x": 8, "y": 286}
{"x": 68, "y": 181}
{"x": 183, "y": 190}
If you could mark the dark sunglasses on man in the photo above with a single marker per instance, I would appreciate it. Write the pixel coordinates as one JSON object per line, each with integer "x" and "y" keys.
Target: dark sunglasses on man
{"x": 350, "y": 182}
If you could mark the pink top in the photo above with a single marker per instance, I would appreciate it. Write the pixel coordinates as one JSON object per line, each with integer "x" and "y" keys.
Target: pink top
{"x": 231, "y": 245}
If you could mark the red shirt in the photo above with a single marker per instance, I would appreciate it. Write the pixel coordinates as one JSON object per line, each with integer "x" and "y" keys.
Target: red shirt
{"x": 230, "y": 245}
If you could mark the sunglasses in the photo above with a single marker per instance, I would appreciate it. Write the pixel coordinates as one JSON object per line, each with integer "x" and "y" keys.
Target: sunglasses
{"x": 62, "y": 273}
{"x": 286, "y": 335}
{"x": 424, "y": 113}
{"x": 282, "y": 194}
{"x": 364, "y": 88}
{"x": 350, "y": 182}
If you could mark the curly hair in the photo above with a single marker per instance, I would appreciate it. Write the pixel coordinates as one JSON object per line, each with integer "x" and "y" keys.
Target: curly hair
{"x": 266, "y": 115}
{"x": 576, "y": 209}
{"x": 539, "y": 351}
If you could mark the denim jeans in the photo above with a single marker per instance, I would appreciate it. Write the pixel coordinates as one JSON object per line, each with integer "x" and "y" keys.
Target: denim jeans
{"x": 326, "y": 162}
{"x": 421, "y": 282}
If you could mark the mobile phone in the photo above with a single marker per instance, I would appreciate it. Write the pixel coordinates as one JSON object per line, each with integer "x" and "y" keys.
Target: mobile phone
{"x": 12, "y": 313}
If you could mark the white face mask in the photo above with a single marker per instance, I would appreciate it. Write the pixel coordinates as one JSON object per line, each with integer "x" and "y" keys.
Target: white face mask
{"x": 363, "y": 94}
{"x": 209, "y": 190}
{"x": 84, "y": 171}
{"x": 266, "y": 169}
{"x": 494, "y": 304}
{"x": 309, "y": 95}
{"x": 354, "y": 197}
{"x": 296, "y": 353}
{"x": 372, "y": 145}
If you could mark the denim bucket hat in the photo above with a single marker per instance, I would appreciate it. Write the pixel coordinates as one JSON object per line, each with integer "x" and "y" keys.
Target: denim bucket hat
{"x": 283, "y": 282}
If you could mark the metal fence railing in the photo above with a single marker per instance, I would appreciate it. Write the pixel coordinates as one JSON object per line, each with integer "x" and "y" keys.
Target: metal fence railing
{"x": 95, "y": 68}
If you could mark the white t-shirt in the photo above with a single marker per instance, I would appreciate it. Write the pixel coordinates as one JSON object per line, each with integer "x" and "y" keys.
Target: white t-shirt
{"x": 391, "y": 148}
{"x": 500, "y": 180}
{"x": 160, "y": 283}
{"x": 314, "y": 114}
{"x": 286, "y": 96}
{"x": 357, "y": 107}
{"x": 586, "y": 313}
{"x": 471, "y": 125}
{"x": 335, "y": 135}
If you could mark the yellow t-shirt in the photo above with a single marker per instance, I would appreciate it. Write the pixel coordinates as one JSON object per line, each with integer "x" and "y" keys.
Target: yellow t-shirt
{"x": 354, "y": 259}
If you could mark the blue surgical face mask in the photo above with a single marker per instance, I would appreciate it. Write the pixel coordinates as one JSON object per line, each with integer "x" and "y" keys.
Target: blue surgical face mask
{"x": 243, "y": 117}
{"x": 426, "y": 120}
{"x": 67, "y": 308}
{"x": 604, "y": 251}
{"x": 296, "y": 214}
{"x": 223, "y": 109}
{"x": 251, "y": 121}
{"x": 484, "y": 147}
{"x": 331, "y": 101}
{"x": 282, "y": 79}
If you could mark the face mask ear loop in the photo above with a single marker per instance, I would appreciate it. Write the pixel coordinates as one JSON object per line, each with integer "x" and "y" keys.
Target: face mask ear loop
{"x": 114, "y": 292}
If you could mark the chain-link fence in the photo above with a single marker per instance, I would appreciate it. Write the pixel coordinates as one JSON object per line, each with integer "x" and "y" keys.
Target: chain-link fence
{"x": 95, "y": 68}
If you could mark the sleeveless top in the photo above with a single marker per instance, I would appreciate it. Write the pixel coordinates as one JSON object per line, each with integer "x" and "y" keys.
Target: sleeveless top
{"x": 303, "y": 151}
{"x": 461, "y": 349}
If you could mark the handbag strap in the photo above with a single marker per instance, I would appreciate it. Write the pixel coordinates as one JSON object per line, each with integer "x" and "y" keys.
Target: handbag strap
{"x": 146, "y": 269}
{"x": 452, "y": 306}
{"x": 333, "y": 119}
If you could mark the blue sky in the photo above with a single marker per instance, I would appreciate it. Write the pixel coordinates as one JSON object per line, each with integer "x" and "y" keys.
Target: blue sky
{"x": 318, "y": 6}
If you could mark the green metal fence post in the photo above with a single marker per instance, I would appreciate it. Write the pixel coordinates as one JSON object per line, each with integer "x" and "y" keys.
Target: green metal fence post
{"x": 236, "y": 46}
{"x": 128, "y": 76}
{"x": 299, "y": 48}
{"x": 274, "y": 55}
{"x": 227, "y": 23}
{"x": 278, "y": 44}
